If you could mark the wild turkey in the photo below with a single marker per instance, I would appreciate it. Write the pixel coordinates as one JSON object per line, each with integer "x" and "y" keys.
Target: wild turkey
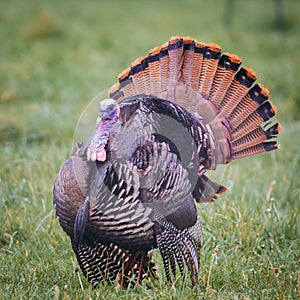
{"x": 174, "y": 114}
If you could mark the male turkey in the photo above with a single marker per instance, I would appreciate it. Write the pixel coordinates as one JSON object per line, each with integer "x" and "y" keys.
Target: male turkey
{"x": 130, "y": 188}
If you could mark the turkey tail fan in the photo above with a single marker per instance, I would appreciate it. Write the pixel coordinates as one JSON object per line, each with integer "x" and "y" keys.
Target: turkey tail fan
{"x": 214, "y": 87}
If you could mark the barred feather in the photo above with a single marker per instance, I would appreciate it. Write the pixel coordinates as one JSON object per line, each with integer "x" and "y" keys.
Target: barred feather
{"x": 263, "y": 113}
{"x": 209, "y": 65}
{"x": 256, "y": 136}
{"x": 100, "y": 263}
{"x": 255, "y": 97}
{"x": 197, "y": 65}
{"x": 257, "y": 149}
{"x": 188, "y": 60}
{"x": 227, "y": 66}
{"x": 179, "y": 247}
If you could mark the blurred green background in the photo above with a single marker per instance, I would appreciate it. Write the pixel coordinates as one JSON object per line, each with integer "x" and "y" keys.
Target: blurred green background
{"x": 56, "y": 56}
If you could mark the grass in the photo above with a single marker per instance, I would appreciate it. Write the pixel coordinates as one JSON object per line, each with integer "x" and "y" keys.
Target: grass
{"x": 55, "y": 57}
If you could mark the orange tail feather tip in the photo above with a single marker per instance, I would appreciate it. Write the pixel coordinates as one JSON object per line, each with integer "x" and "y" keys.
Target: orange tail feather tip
{"x": 124, "y": 75}
{"x": 246, "y": 76}
{"x": 139, "y": 65}
{"x": 279, "y": 129}
{"x": 154, "y": 51}
{"x": 199, "y": 47}
{"x": 230, "y": 61}
{"x": 214, "y": 47}
{"x": 264, "y": 90}
{"x": 176, "y": 40}
{"x": 274, "y": 108}
{"x": 233, "y": 58}
{"x": 138, "y": 61}
{"x": 259, "y": 93}
{"x": 188, "y": 40}
{"x": 222, "y": 189}
{"x": 267, "y": 110}
{"x": 273, "y": 131}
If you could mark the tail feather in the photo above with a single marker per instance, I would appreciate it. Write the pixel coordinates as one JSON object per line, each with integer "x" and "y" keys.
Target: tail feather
{"x": 255, "y": 137}
{"x": 227, "y": 67}
{"x": 126, "y": 83}
{"x": 140, "y": 75}
{"x": 206, "y": 190}
{"x": 262, "y": 114}
{"x": 243, "y": 80}
{"x": 175, "y": 54}
{"x": 197, "y": 65}
{"x": 154, "y": 70}
{"x": 116, "y": 92}
{"x": 255, "y": 97}
{"x": 257, "y": 149}
{"x": 163, "y": 68}
{"x": 188, "y": 61}
{"x": 213, "y": 87}
{"x": 209, "y": 66}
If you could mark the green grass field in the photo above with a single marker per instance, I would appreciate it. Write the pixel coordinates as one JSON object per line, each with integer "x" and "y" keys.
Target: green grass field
{"x": 55, "y": 57}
